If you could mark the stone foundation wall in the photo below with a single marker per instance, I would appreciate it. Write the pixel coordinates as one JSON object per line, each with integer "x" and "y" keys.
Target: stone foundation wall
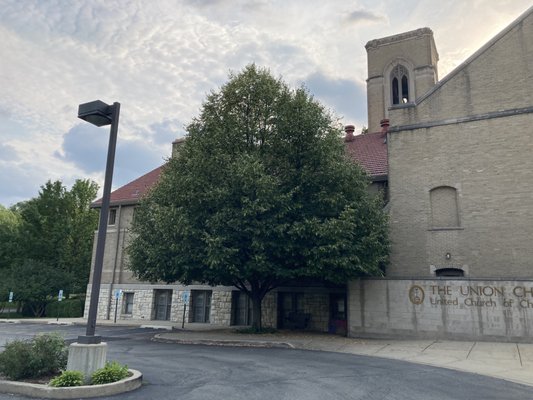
{"x": 314, "y": 303}
{"x": 269, "y": 310}
{"x": 103, "y": 302}
{"x": 220, "y": 308}
{"x": 176, "y": 311}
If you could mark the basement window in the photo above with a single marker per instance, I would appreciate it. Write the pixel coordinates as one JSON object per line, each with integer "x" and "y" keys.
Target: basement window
{"x": 456, "y": 272}
{"x": 128, "y": 303}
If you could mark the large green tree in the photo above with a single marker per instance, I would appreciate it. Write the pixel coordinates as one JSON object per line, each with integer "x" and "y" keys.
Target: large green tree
{"x": 54, "y": 232}
{"x": 260, "y": 194}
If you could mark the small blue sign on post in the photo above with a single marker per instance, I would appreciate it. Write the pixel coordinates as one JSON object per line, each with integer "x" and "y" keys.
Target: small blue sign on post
{"x": 11, "y": 297}
{"x": 185, "y": 297}
{"x": 118, "y": 293}
{"x": 60, "y": 295}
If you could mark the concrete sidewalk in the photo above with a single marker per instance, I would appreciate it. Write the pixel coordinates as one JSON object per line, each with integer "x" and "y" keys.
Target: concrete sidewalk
{"x": 509, "y": 361}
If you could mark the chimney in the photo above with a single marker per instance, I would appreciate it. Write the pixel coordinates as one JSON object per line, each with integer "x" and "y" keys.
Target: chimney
{"x": 349, "y": 129}
{"x": 176, "y": 144}
{"x": 384, "y": 125}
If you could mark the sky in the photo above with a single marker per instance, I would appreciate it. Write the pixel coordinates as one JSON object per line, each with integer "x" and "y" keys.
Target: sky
{"x": 161, "y": 58}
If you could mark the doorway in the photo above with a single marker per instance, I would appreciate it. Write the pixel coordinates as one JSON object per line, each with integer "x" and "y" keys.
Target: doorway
{"x": 290, "y": 311}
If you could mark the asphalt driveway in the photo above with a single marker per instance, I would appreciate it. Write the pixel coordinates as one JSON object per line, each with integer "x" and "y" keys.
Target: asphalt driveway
{"x": 177, "y": 371}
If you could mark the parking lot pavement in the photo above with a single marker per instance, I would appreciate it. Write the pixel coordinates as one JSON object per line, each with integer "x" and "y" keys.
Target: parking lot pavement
{"x": 509, "y": 361}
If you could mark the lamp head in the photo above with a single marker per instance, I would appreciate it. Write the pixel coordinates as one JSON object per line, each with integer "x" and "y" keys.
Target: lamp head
{"x": 96, "y": 112}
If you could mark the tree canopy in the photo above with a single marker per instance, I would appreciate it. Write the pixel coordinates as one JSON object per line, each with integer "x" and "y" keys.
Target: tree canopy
{"x": 47, "y": 242}
{"x": 260, "y": 193}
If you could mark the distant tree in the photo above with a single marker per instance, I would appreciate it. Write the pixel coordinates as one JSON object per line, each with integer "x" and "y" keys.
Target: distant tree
{"x": 33, "y": 283}
{"x": 261, "y": 194}
{"x": 9, "y": 224}
{"x": 364, "y": 130}
{"x": 83, "y": 221}
{"x": 57, "y": 230}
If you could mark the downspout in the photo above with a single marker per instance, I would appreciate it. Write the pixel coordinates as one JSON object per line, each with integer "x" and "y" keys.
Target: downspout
{"x": 111, "y": 285}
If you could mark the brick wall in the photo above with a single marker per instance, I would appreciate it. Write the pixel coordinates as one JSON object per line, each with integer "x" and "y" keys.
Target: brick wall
{"x": 474, "y": 134}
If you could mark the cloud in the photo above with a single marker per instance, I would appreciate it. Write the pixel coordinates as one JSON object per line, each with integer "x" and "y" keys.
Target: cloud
{"x": 85, "y": 146}
{"x": 22, "y": 180}
{"x": 135, "y": 158}
{"x": 8, "y": 153}
{"x": 203, "y": 3}
{"x": 167, "y": 131}
{"x": 364, "y": 16}
{"x": 345, "y": 97}
{"x": 159, "y": 59}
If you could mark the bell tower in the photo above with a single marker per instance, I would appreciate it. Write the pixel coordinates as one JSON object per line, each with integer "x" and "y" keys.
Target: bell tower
{"x": 401, "y": 68}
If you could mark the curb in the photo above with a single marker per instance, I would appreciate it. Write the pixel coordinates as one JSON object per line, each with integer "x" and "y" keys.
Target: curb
{"x": 162, "y": 327}
{"x": 226, "y": 343}
{"x": 44, "y": 391}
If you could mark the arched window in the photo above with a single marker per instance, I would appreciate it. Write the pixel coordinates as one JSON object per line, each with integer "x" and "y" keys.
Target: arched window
{"x": 405, "y": 89}
{"x": 444, "y": 210}
{"x": 399, "y": 84}
{"x": 395, "y": 91}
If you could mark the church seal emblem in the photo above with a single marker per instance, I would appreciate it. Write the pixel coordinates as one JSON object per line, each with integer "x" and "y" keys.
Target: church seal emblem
{"x": 416, "y": 295}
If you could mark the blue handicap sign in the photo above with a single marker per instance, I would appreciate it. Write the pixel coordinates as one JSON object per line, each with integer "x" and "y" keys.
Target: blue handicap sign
{"x": 185, "y": 297}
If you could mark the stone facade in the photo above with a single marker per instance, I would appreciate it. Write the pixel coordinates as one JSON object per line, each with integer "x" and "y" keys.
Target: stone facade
{"x": 221, "y": 307}
{"x": 269, "y": 309}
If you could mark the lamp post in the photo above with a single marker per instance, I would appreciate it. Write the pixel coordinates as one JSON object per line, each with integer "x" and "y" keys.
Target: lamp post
{"x": 89, "y": 353}
{"x": 100, "y": 114}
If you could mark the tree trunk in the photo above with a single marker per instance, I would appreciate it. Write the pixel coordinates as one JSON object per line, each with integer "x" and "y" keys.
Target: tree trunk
{"x": 256, "y": 310}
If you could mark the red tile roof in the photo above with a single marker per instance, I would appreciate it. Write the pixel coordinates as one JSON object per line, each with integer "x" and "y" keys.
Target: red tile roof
{"x": 131, "y": 192}
{"x": 369, "y": 150}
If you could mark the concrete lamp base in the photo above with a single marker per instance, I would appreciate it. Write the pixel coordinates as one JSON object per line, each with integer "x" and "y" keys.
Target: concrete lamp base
{"x": 86, "y": 358}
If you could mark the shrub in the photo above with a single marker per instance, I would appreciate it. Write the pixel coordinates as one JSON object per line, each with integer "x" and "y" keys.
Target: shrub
{"x": 68, "y": 308}
{"x": 112, "y": 372}
{"x": 50, "y": 354}
{"x": 42, "y": 355}
{"x": 15, "y": 359}
{"x": 67, "y": 379}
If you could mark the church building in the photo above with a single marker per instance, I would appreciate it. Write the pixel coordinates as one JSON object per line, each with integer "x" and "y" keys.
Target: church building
{"x": 460, "y": 180}
{"x": 454, "y": 160}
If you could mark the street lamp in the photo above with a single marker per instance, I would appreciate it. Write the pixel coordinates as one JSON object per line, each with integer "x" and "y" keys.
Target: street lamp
{"x": 100, "y": 114}
{"x": 89, "y": 353}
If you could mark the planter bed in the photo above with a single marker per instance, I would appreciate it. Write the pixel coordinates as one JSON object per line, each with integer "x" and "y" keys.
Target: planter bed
{"x": 128, "y": 384}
